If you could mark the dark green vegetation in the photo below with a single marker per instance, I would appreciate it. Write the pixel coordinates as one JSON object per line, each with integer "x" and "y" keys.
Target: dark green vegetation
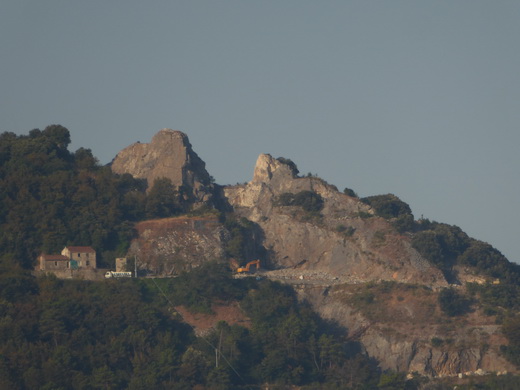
{"x": 120, "y": 334}
{"x": 453, "y": 303}
{"x": 287, "y": 343}
{"x": 449, "y": 248}
{"x": 445, "y": 246}
{"x": 350, "y": 192}
{"x": 307, "y": 205}
{"x": 307, "y": 200}
{"x": 388, "y": 206}
{"x": 244, "y": 236}
{"x": 50, "y": 198}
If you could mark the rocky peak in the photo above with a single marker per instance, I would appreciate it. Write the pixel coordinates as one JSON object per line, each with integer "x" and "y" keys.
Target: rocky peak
{"x": 169, "y": 155}
{"x": 370, "y": 250}
{"x": 268, "y": 167}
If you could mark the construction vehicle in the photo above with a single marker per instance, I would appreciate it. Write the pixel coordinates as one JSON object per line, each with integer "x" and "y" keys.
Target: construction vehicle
{"x": 233, "y": 264}
{"x": 112, "y": 274}
{"x": 248, "y": 265}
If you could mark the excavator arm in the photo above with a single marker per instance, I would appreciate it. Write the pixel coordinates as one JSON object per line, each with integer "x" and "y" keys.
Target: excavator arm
{"x": 248, "y": 265}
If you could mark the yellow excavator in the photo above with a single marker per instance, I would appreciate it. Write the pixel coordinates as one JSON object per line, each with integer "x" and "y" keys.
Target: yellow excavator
{"x": 248, "y": 265}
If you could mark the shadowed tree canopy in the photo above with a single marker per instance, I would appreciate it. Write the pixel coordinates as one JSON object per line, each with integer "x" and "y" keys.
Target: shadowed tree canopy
{"x": 163, "y": 199}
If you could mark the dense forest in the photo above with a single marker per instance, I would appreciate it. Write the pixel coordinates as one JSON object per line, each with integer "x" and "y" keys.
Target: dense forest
{"x": 119, "y": 334}
{"x": 57, "y": 334}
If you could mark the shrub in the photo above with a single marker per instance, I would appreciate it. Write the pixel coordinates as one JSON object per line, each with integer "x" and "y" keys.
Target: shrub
{"x": 436, "y": 342}
{"x": 363, "y": 298}
{"x": 404, "y": 223}
{"x": 308, "y": 200}
{"x": 490, "y": 261}
{"x": 442, "y": 245}
{"x": 452, "y": 303}
{"x": 427, "y": 244}
{"x": 363, "y": 215}
{"x": 346, "y": 230}
{"x": 350, "y": 192}
{"x": 388, "y": 206}
{"x": 242, "y": 238}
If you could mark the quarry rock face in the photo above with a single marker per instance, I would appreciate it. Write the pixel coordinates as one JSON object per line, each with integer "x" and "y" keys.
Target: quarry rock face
{"x": 322, "y": 254}
{"x": 347, "y": 244}
{"x": 169, "y": 155}
{"x": 342, "y": 242}
{"x": 170, "y": 246}
{"x": 404, "y": 342}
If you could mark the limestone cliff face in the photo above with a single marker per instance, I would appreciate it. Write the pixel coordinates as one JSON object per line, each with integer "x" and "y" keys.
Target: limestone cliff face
{"x": 168, "y": 155}
{"x": 374, "y": 251}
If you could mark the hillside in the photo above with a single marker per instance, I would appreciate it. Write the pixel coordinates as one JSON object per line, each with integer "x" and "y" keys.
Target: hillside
{"x": 396, "y": 296}
{"x": 310, "y": 235}
{"x": 396, "y": 326}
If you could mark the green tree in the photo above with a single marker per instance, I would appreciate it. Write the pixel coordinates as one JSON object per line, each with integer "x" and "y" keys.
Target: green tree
{"x": 58, "y": 135}
{"x": 453, "y": 303}
{"x": 350, "y": 192}
{"x": 84, "y": 159}
{"x": 392, "y": 381}
{"x": 162, "y": 200}
{"x": 388, "y": 206}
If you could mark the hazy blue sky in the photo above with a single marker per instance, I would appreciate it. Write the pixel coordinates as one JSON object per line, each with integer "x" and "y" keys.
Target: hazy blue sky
{"x": 416, "y": 98}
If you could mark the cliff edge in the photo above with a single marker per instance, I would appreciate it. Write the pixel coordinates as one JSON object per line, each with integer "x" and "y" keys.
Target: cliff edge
{"x": 344, "y": 240}
{"x": 168, "y": 155}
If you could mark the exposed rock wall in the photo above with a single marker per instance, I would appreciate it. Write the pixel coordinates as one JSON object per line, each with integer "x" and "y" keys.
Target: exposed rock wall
{"x": 374, "y": 251}
{"x": 344, "y": 243}
{"x": 305, "y": 244}
{"x": 168, "y": 155}
{"x": 408, "y": 348}
{"x": 172, "y": 245}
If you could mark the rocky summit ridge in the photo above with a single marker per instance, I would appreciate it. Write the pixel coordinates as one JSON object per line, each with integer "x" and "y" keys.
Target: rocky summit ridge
{"x": 169, "y": 155}
{"x": 331, "y": 246}
{"x": 372, "y": 250}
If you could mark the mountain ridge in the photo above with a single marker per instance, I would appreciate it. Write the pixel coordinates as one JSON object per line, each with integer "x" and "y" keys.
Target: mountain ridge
{"x": 316, "y": 238}
{"x": 419, "y": 297}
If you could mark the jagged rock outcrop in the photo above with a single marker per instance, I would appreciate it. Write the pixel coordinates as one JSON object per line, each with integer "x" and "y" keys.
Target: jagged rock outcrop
{"x": 169, "y": 155}
{"x": 307, "y": 244}
{"x": 372, "y": 250}
{"x": 344, "y": 244}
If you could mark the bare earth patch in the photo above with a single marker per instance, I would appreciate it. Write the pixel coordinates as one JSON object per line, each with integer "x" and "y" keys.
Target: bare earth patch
{"x": 203, "y": 323}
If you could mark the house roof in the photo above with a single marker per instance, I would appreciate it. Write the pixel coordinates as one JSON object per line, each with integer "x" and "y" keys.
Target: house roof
{"x": 54, "y": 257}
{"x": 80, "y": 249}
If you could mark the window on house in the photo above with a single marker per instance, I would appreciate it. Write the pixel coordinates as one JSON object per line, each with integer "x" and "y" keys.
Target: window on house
{"x": 68, "y": 266}
{"x": 79, "y": 255}
{"x": 88, "y": 263}
{"x": 56, "y": 263}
